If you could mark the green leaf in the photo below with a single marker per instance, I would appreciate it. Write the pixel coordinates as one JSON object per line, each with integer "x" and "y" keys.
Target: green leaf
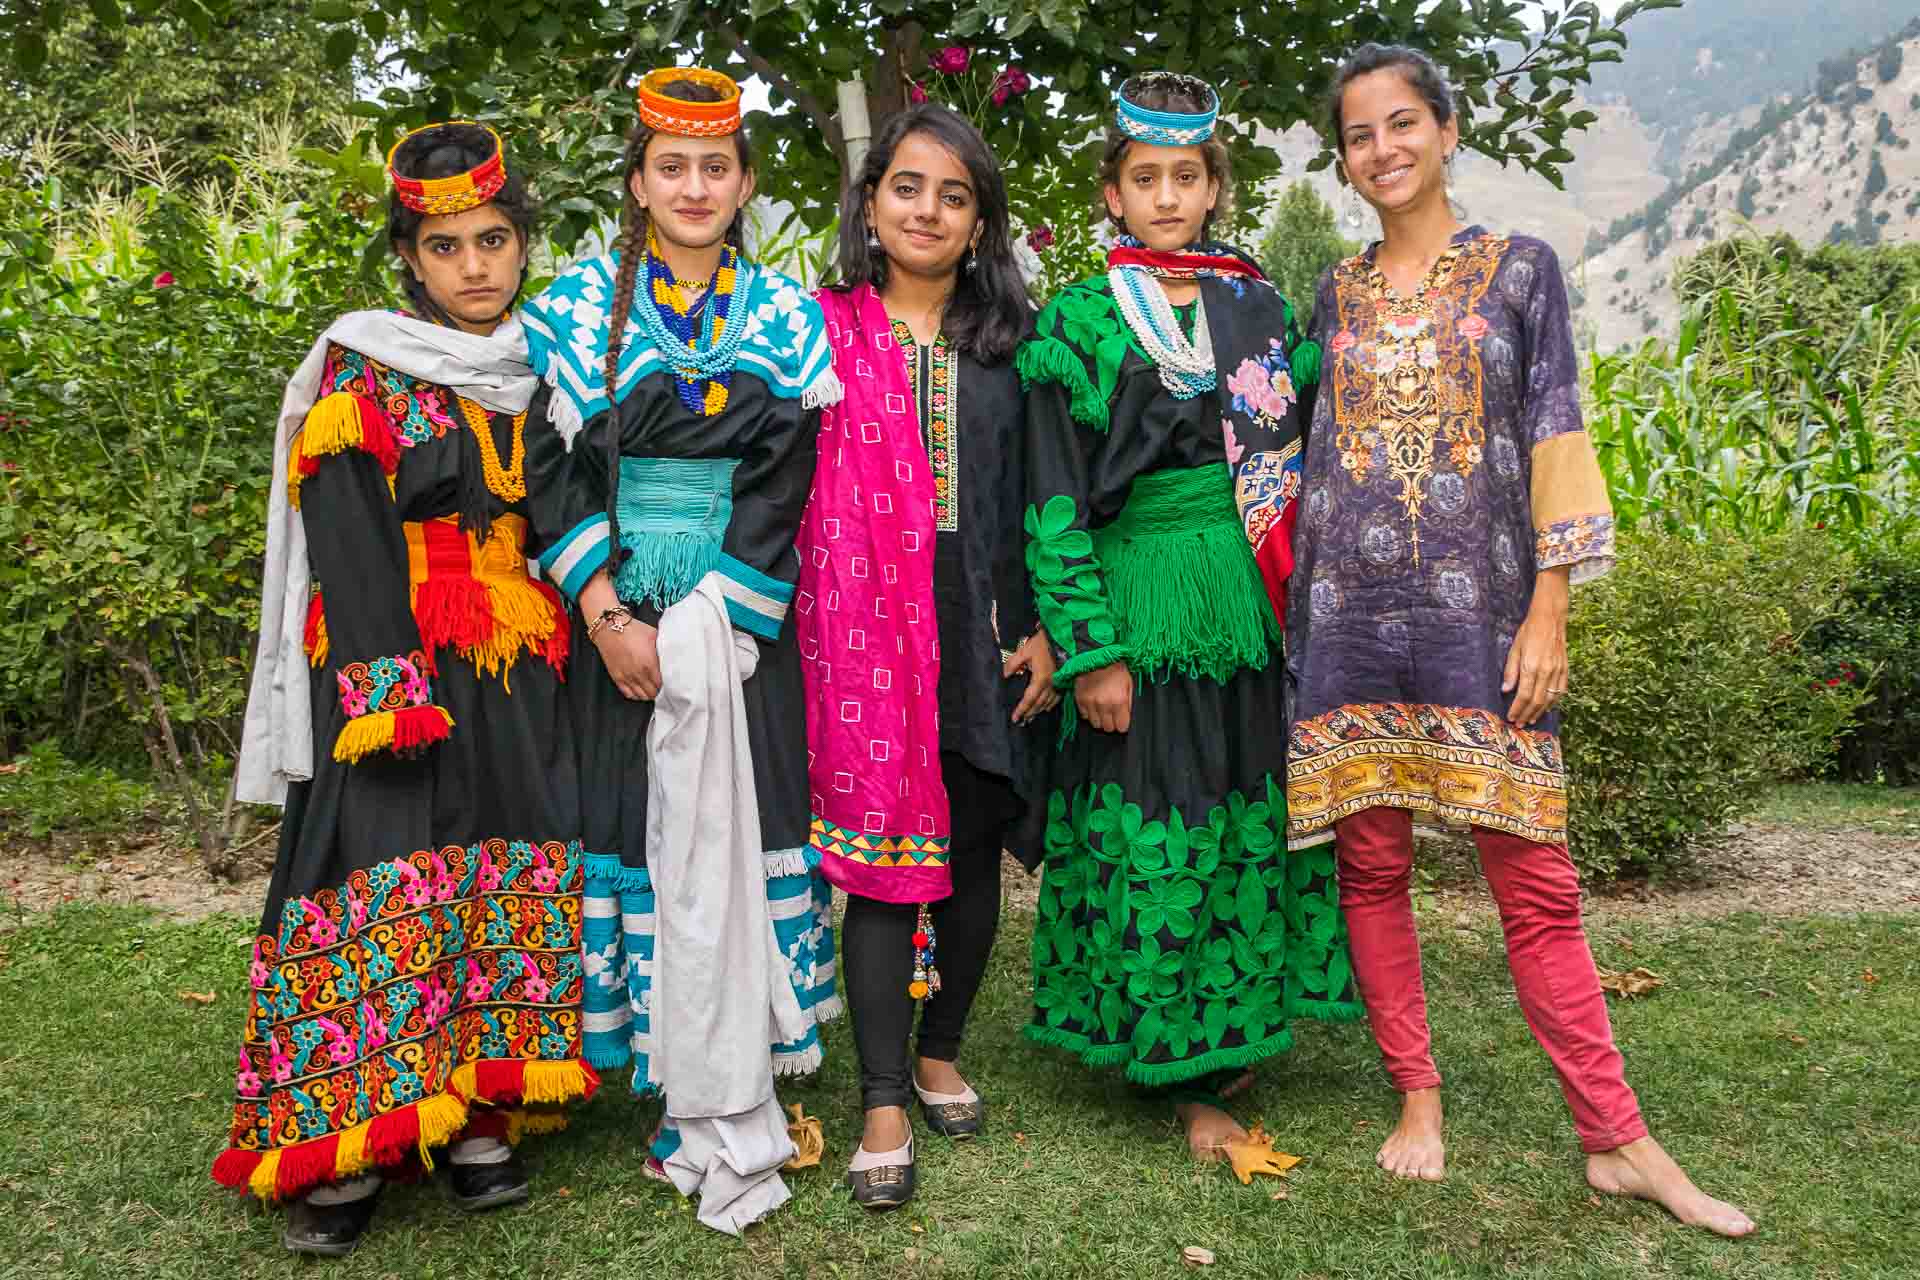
{"x": 341, "y": 46}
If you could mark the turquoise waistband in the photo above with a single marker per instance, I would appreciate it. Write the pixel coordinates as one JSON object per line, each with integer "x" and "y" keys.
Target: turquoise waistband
{"x": 673, "y": 516}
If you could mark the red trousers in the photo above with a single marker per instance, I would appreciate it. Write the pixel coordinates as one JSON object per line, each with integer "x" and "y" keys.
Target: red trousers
{"x": 1538, "y": 893}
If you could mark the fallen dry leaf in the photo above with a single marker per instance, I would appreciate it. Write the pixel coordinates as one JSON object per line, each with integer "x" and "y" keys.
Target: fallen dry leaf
{"x": 1869, "y": 976}
{"x": 1281, "y": 1194}
{"x": 198, "y": 997}
{"x": 1255, "y": 1154}
{"x": 809, "y": 1139}
{"x": 1194, "y": 1256}
{"x": 564, "y": 1191}
{"x": 1633, "y": 982}
{"x": 9, "y": 769}
{"x": 917, "y": 1229}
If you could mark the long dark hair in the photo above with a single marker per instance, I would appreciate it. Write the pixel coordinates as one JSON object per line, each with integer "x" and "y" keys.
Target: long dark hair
{"x": 988, "y": 314}
{"x": 442, "y": 152}
{"x": 1168, "y": 91}
{"x": 632, "y": 246}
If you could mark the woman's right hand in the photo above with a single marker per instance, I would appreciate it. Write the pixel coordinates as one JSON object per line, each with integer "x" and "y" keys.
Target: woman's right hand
{"x": 631, "y": 654}
{"x": 632, "y": 657}
{"x": 1105, "y": 697}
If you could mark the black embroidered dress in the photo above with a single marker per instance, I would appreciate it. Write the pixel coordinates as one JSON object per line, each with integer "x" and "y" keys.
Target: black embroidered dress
{"x": 419, "y": 950}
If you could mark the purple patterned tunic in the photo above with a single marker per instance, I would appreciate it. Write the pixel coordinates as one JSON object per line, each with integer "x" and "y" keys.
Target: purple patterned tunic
{"x": 1447, "y": 464}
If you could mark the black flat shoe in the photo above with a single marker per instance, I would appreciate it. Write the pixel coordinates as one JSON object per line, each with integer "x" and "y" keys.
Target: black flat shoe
{"x": 886, "y": 1187}
{"x": 487, "y": 1186}
{"x": 328, "y": 1230}
{"x": 956, "y": 1120}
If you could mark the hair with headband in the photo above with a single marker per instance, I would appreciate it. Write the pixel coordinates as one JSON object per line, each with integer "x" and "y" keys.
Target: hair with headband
{"x": 1156, "y": 101}
{"x": 430, "y": 164}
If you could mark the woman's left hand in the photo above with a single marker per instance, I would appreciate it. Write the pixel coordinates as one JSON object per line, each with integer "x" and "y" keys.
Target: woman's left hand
{"x": 1537, "y": 664}
{"x": 1035, "y": 656}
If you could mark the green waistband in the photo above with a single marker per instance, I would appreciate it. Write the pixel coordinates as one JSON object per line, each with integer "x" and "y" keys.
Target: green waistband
{"x": 1181, "y": 580}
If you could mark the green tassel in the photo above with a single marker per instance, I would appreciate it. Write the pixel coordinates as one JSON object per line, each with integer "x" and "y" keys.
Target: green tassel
{"x": 1182, "y": 582}
{"x": 1306, "y": 365}
{"x": 1051, "y": 360}
{"x": 664, "y": 568}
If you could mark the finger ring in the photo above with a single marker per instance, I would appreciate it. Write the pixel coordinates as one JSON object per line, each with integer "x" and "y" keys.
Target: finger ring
{"x": 1556, "y": 692}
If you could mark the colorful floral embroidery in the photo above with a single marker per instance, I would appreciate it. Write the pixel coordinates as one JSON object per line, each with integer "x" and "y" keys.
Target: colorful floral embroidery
{"x": 940, "y": 427}
{"x": 418, "y": 410}
{"x": 1574, "y": 541}
{"x": 1263, "y": 388}
{"x": 384, "y": 684}
{"x": 1459, "y": 763}
{"x": 1407, "y": 392}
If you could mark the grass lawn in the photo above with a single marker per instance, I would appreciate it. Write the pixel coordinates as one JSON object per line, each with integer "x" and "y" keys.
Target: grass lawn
{"x": 1843, "y": 806}
{"x": 1770, "y": 1064}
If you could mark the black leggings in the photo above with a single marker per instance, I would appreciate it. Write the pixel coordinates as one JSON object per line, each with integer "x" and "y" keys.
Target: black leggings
{"x": 877, "y": 944}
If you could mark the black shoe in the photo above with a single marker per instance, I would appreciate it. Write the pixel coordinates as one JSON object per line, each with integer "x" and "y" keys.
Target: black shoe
{"x": 329, "y": 1230}
{"x": 487, "y": 1186}
{"x": 956, "y": 1120}
{"x": 887, "y": 1187}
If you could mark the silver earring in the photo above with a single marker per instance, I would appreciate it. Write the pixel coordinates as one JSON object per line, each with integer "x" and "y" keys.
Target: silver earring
{"x": 1354, "y": 215}
{"x": 973, "y": 260}
{"x": 873, "y": 241}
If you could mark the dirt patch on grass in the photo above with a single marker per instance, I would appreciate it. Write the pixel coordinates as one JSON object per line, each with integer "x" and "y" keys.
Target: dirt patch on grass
{"x": 1771, "y": 868}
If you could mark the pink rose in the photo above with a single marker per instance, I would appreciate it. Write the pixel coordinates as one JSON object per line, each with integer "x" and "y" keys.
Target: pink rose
{"x": 1248, "y": 381}
{"x": 1009, "y": 84}
{"x": 1344, "y": 339}
{"x": 164, "y": 280}
{"x": 1040, "y": 238}
{"x": 915, "y": 94}
{"x": 1474, "y": 327}
{"x": 951, "y": 60}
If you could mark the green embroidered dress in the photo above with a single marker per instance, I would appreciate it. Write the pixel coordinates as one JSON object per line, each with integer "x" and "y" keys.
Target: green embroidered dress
{"x": 1177, "y": 936}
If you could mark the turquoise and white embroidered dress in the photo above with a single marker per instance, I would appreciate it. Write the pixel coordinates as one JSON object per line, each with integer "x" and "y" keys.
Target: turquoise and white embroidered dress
{"x": 695, "y": 495}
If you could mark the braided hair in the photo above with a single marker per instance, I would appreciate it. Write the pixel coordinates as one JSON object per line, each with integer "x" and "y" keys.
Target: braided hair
{"x": 632, "y": 247}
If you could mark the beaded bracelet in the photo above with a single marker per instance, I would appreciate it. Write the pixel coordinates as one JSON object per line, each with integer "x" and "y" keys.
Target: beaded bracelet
{"x": 615, "y": 619}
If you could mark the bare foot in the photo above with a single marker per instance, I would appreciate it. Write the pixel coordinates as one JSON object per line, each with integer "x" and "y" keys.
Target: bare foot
{"x": 1415, "y": 1148}
{"x": 1238, "y": 1085}
{"x": 887, "y": 1129}
{"x": 936, "y": 1076}
{"x": 1645, "y": 1171}
{"x": 1209, "y": 1129}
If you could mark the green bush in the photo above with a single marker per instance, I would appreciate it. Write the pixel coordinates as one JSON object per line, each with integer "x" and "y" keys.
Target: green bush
{"x": 1693, "y": 690}
{"x": 1874, "y": 642}
{"x": 43, "y": 792}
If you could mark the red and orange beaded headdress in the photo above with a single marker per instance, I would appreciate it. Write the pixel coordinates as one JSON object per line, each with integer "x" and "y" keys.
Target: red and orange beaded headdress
{"x": 689, "y": 119}
{"x": 455, "y": 194}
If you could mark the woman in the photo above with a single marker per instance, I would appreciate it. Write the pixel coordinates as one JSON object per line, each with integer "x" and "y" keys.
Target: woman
{"x": 915, "y": 614}
{"x": 417, "y": 972}
{"x": 670, "y": 461}
{"x": 1177, "y": 936}
{"x": 1452, "y": 499}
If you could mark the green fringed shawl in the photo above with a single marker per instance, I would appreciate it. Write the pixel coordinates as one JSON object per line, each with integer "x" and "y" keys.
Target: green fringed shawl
{"x": 1181, "y": 581}
{"x": 1080, "y": 342}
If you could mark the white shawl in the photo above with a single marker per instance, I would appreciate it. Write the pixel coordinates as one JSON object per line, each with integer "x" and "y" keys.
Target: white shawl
{"x": 276, "y": 743}
{"x": 720, "y": 993}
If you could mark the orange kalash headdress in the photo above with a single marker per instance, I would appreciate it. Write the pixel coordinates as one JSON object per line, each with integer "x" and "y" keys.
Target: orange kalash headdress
{"x": 663, "y": 114}
{"x": 455, "y": 194}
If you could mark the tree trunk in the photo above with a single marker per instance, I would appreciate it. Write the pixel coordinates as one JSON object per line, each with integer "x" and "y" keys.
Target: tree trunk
{"x": 164, "y": 746}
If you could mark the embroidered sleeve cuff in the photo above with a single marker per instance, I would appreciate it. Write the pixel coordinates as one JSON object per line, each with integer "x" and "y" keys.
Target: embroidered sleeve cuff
{"x": 579, "y": 553}
{"x": 389, "y": 706}
{"x": 756, "y": 603}
{"x": 1584, "y": 542}
{"x": 1091, "y": 660}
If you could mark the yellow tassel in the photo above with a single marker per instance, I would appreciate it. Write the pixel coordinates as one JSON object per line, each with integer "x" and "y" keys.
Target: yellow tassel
{"x": 350, "y": 1157}
{"x": 553, "y": 1082}
{"x": 332, "y": 426}
{"x": 441, "y": 1117}
{"x": 321, "y": 645}
{"x": 530, "y": 1123}
{"x": 266, "y": 1175}
{"x": 361, "y": 736}
{"x": 461, "y": 1081}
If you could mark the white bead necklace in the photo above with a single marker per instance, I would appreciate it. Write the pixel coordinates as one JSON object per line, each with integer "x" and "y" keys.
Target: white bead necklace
{"x": 1186, "y": 368}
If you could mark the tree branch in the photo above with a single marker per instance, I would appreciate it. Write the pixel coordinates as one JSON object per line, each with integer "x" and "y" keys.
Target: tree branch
{"x": 816, "y": 111}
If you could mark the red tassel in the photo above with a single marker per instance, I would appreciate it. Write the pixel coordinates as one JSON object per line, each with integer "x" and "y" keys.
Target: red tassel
{"x": 1275, "y": 558}
{"x": 234, "y": 1167}
{"x": 306, "y": 1164}
{"x": 377, "y": 435}
{"x": 316, "y": 618}
{"x": 419, "y": 727}
{"x": 497, "y": 1080}
{"x": 560, "y": 641}
{"x": 393, "y": 1136}
{"x": 485, "y": 1122}
{"x": 453, "y": 610}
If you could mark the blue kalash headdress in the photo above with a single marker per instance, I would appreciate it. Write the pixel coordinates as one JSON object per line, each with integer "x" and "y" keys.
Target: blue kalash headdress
{"x": 1165, "y": 128}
